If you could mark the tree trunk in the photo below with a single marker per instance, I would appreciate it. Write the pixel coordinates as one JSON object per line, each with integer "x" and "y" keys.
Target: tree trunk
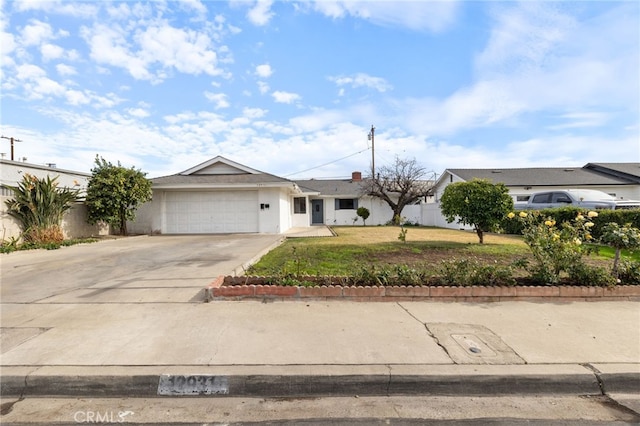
{"x": 616, "y": 259}
{"x": 480, "y": 235}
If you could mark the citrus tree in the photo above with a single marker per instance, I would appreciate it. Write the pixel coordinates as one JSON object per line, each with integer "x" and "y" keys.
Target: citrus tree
{"x": 114, "y": 194}
{"x": 39, "y": 206}
{"x": 478, "y": 203}
{"x": 620, "y": 237}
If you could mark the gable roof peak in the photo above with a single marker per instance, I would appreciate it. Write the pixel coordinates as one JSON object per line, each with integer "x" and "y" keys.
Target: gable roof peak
{"x": 219, "y": 165}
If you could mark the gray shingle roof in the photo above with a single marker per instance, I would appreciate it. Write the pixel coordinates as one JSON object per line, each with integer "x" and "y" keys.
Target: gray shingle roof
{"x": 543, "y": 176}
{"x": 329, "y": 187}
{"x": 227, "y": 179}
{"x": 625, "y": 171}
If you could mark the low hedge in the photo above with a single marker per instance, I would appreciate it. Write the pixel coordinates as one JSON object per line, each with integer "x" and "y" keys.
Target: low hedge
{"x": 564, "y": 214}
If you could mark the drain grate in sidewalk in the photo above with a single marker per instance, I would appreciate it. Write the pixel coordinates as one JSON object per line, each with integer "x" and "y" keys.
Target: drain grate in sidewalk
{"x": 472, "y": 344}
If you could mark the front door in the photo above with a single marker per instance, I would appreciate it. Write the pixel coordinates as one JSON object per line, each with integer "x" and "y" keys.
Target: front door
{"x": 317, "y": 211}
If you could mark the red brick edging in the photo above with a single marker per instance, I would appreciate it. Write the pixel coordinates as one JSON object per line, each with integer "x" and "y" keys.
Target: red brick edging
{"x": 221, "y": 289}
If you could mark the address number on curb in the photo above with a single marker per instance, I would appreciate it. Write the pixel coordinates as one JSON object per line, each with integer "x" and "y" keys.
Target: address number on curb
{"x": 177, "y": 385}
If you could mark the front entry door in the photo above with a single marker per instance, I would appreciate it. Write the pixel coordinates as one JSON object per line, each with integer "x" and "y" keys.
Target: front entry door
{"x": 317, "y": 211}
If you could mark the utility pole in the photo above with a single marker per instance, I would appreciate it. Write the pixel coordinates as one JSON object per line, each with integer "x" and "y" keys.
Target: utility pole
{"x": 12, "y": 139}
{"x": 372, "y": 135}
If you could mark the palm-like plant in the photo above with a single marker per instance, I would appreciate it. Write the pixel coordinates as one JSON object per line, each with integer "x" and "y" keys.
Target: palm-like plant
{"x": 39, "y": 205}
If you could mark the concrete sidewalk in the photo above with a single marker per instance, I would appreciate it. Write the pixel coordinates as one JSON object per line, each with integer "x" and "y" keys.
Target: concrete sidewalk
{"x": 320, "y": 348}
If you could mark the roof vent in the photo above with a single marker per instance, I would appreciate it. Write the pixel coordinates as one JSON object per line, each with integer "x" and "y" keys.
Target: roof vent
{"x": 496, "y": 171}
{"x": 569, "y": 170}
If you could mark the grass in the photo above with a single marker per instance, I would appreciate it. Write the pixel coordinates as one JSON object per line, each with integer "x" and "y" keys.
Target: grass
{"x": 356, "y": 247}
{"x": 12, "y": 245}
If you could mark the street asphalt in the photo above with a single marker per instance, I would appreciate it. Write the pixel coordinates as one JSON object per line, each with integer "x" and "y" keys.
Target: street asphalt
{"x": 127, "y": 318}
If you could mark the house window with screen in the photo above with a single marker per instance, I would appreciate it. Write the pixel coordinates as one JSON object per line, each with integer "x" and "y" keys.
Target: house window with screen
{"x": 299, "y": 205}
{"x": 346, "y": 203}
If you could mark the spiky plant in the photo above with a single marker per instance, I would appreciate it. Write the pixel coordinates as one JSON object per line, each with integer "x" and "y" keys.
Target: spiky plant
{"x": 39, "y": 205}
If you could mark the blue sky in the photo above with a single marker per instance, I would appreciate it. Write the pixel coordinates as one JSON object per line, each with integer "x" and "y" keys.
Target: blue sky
{"x": 292, "y": 88}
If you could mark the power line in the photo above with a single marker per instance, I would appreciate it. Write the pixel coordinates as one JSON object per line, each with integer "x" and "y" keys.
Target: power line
{"x": 12, "y": 139}
{"x": 326, "y": 164}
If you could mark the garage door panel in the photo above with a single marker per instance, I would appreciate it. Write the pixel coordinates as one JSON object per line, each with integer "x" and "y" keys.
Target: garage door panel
{"x": 211, "y": 212}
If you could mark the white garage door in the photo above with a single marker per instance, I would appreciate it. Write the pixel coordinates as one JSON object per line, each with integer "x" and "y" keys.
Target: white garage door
{"x": 208, "y": 212}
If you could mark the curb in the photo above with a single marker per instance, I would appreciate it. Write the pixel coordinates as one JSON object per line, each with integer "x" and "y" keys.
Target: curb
{"x": 307, "y": 381}
{"x": 252, "y": 288}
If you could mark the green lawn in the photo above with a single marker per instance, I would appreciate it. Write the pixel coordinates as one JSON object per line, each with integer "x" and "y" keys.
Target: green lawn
{"x": 358, "y": 247}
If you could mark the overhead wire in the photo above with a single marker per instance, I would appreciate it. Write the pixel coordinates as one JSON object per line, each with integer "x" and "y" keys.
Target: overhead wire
{"x": 326, "y": 164}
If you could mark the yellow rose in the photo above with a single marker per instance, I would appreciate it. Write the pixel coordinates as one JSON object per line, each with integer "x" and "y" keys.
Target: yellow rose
{"x": 556, "y": 237}
{"x": 592, "y": 214}
{"x": 522, "y": 214}
{"x": 577, "y": 241}
{"x": 588, "y": 224}
{"x": 548, "y": 223}
{"x": 511, "y": 215}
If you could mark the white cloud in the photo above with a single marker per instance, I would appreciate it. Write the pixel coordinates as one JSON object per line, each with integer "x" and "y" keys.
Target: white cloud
{"x": 264, "y": 71}
{"x": 254, "y": 112}
{"x": 36, "y": 33}
{"x": 66, "y": 70}
{"x": 263, "y": 87}
{"x": 59, "y": 7}
{"x": 581, "y": 119}
{"x": 160, "y": 48}
{"x": 432, "y": 16}
{"x": 261, "y": 13}
{"x": 187, "y": 51}
{"x": 51, "y": 51}
{"x": 285, "y": 97}
{"x": 138, "y": 112}
{"x": 220, "y": 99}
{"x": 362, "y": 80}
{"x": 109, "y": 46}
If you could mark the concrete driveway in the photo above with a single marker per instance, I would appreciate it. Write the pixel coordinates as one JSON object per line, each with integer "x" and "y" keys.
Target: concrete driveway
{"x": 175, "y": 268}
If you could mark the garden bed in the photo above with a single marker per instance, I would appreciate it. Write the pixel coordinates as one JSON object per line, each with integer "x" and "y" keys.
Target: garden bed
{"x": 330, "y": 288}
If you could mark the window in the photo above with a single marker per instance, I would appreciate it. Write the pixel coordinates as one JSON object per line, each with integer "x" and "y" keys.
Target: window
{"x": 346, "y": 203}
{"x": 522, "y": 198}
{"x": 300, "y": 205}
{"x": 542, "y": 198}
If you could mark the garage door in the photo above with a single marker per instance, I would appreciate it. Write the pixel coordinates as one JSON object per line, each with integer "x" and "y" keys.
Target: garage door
{"x": 208, "y": 212}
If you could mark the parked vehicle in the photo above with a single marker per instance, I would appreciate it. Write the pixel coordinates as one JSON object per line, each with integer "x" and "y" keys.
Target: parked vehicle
{"x": 587, "y": 198}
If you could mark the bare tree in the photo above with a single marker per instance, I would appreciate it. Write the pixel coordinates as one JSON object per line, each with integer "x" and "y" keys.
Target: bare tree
{"x": 398, "y": 185}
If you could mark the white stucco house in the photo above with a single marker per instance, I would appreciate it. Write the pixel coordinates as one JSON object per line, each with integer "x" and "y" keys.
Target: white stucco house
{"x": 220, "y": 196}
{"x": 223, "y": 196}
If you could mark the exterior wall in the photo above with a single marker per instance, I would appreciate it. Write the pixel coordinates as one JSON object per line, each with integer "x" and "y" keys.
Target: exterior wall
{"x": 270, "y": 219}
{"x": 300, "y": 219}
{"x": 74, "y": 223}
{"x": 150, "y": 217}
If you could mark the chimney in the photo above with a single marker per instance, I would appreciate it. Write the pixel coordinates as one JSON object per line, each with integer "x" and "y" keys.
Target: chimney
{"x": 356, "y": 176}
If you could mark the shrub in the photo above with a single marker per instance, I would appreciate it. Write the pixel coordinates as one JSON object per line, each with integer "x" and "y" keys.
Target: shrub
{"x": 555, "y": 249}
{"x": 471, "y": 272}
{"x": 583, "y": 274}
{"x": 629, "y": 272}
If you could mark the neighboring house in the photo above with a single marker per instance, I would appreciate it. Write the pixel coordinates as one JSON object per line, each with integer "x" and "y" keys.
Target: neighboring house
{"x": 74, "y": 224}
{"x": 621, "y": 180}
{"x": 336, "y": 201}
